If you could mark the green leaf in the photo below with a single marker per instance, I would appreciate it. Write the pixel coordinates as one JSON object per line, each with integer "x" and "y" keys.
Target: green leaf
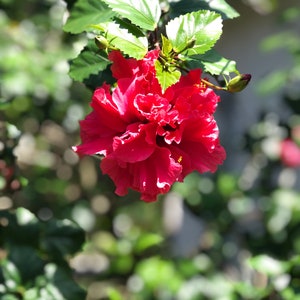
{"x": 294, "y": 261}
{"x": 11, "y": 273}
{"x": 201, "y": 29}
{"x": 222, "y": 7}
{"x": 23, "y": 228}
{"x": 157, "y": 272}
{"x": 268, "y": 265}
{"x": 25, "y": 217}
{"x": 85, "y": 13}
{"x": 133, "y": 29}
{"x": 60, "y": 285}
{"x": 219, "y": 6}
{"x": 122, "y": 39}
{"x": 94, "y": 81}
{"x": 273, "y": 82}
{"x": 285, "y": 39}
{"x": 166, "y": 46}
{"x": 90, "y": 61}
{"x": 247, "y": 291}
{"x": 215, "y": 64}
{"x": 27, "y": 261}
{"x": 147, "y": 241}
{"x": 142, "y": 13}
{"x": 166, "y": 75}
{"x": 50, "y": 291}
{"x": 114, "y": 294}
{"x": 9, "y": 297}
{"x": 4, "y": 104}
{"x": 62, "y": 237}
{"x": 31, "y": 294}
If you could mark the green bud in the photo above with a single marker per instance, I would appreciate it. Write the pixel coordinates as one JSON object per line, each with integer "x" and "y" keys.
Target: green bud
{"x": 238, "y": 83}
{"x": 191, "y": 43}
{"x": 101, "y": 42}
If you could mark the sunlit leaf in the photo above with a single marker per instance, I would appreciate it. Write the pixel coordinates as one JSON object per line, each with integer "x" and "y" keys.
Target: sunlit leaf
{"x": 222, "y": 7}
{"x": 248, "y": 291}
{"x": 142, "y": 13}
{"x": 11, "y": 272}
{"x": 156, "y": 271}
{"x": 219, "y": 6}
{"x": 201, "y": 29}
{"x": 25, "y": 217}
{"x": 122, "y": 264}
{"x": 166, "y": 46}
{"x": 122, "y": 39}
{"x": 113, "y": 294}
{"x": 32, "y": 294}
{"x": 85, "y": 13}
{"x": 61, "y": 285}
{"x": 268, "y": 265}
{"x": 147, "y": 241}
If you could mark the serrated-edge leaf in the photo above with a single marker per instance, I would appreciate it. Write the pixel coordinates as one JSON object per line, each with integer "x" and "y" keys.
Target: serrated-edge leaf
{"x": 166, "y": 78}
{"x": 223, "y": 8}
{"x": 133, "y": 29}
{"x": 128, "y": 43}
{"x": 219, "y": 6}
{"x": 90, "y": 61}
{"x": 86, "y": 12}
{"x": 214, "y": 63}
{"x": 142, "y": 13}
{"x": 202, "y": 27}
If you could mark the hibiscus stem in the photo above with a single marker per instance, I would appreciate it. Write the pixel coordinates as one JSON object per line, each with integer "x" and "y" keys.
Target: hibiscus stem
{"x": 216, "y": 87}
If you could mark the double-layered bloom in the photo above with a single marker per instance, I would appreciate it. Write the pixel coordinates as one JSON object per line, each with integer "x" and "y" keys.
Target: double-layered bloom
{"x": 148, "y": 138}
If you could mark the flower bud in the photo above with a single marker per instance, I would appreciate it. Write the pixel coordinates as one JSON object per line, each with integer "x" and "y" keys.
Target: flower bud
{"x": 101, "y": 42}
{"x": 238, "y": 83}
{"x": 191, "y": 43}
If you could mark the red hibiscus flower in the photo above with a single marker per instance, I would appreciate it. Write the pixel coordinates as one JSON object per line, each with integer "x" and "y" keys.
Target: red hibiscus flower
{"x": 150, "y": 139}
{"x": 290, "y": 153}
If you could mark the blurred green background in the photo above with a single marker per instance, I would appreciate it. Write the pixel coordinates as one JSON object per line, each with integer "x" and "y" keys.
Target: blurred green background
{"x": 64, "y": 234}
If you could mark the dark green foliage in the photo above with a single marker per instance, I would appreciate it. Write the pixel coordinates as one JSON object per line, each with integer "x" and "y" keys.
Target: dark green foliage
{"x": 36, "y": 256}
